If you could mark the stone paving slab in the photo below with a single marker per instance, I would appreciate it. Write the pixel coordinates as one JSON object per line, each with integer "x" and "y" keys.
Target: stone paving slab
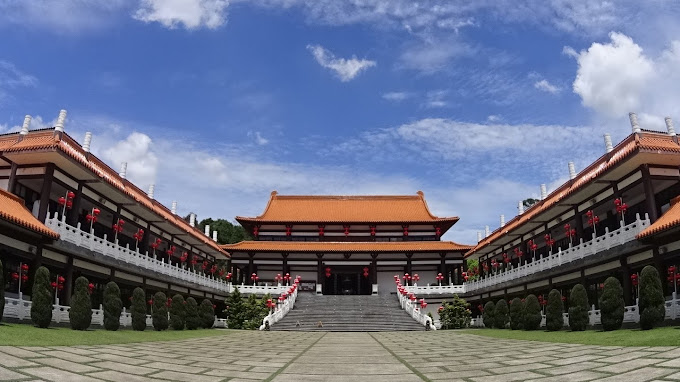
{"x": 334, "y": 357}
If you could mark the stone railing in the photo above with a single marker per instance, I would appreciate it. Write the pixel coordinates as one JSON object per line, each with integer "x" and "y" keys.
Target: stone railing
{"x": 631, "y": 314}
{"x": 80, "y": 238}
{"x": 435, "y": 289}
{"x": 21, "y": 310}
{"x": 600, "y": 243}
{"x": 415, "y": 312}
{"x": 280, "y": 311}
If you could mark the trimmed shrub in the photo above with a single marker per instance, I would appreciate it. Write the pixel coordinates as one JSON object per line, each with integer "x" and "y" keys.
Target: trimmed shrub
{"x": 488, "y": 314}
{"x": 138, "y": 310}
{"x": 532, "y": 313}
{"x": 500, "y": 317}
{"x": 255, "y": 312}
{"x": 652, "y": 301}
{"x": 177, "y": 312}
{"x": 2, "y": 290}
{"x": 612, "y": 305}
{"x": 578, "y": 308}
{"x": 235, "y": 310}
{"x": 516, "y": 314}
{"x": 112, "y": 306}
{"x": 159, "y": 316}
{"x": 554, "y": 312}
{"x": 206, "y": 313}
{"x": 193, "y": 321}
{"x": 41, "y": 298}
{"x": 455, "y": 314}
{"x": 80, "y": 314}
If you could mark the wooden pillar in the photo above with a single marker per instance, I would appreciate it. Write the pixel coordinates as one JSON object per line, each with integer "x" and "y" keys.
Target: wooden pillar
{"x": 251, "y": 265}
{"x": 68, "y": 283}
{"x": 72, "y": 218}
{"x": 409, "y": 265}
{"x": 650, "y": 199}
{"x": 319, "y": 271}
{"x": 578, "y": 221}
{"x": 627, "y": 285}
{"x": 285, "y": 264}
{"x": 11, "y": 185}
{"x": 442, "y": 269}
{"x": 374, "y": 269}
{"x": 45, "y": 192}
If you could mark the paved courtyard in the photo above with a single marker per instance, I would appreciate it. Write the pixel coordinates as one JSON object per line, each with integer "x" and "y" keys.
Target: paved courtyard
{"x": 375, "y": 357}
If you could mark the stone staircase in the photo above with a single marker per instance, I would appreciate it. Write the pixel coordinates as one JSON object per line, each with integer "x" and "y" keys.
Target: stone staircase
{"x": 347, "y": 314}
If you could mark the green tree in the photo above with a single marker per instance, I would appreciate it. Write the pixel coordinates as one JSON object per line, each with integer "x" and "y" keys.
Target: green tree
{"x": 516, "y": 314}
{"x": 488, "y": 314}
{"x": 177, "y": 312}
{"x": 113, "y": 306}
{"x": 256, "y": 311}
{"x": 159, "y": 316}
{"x": 472, "y": 265}
{"x": 529, "y": 202}
{"x": 138, "y": 310}
{"x": 500, "y": 318}
{"x": 455, "y": 314}
{"x": 578, "y": 308}
{"x": 554, "y": 312}
{"x": 227, "y": 232}
{"x": 652, "y": 302}
{"x": 2, "y": 290}
{"x": 206, "y": 313}
{"x": 612, "y": 305}
{"x": 235, "y": 310}
{"x": 41, "y": 298}
{"x": 532, "y": 313}
{"x": 193, "y": 321}
{"x": 80, "y": 314}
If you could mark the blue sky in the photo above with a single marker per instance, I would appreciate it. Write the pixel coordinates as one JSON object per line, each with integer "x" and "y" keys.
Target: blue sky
{"x": 220, "y": 102}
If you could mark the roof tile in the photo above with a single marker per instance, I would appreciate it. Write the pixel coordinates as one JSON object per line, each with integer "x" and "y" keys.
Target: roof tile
{"x": 13, "y": 210}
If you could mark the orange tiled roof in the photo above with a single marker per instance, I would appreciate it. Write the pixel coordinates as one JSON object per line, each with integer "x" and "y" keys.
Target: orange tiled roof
{"x": 340, "y": 209}
{"x": 345, "y": 247}
{"x": 47, "y": 140}
{"x": 644, "y": 142}
{"x": 13, "y": 210}
{"x": 670, "y": 219}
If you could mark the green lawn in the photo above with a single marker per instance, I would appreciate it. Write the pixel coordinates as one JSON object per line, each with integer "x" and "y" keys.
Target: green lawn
{"x": 665, "y": 336}
{"x": 28, "y": 335}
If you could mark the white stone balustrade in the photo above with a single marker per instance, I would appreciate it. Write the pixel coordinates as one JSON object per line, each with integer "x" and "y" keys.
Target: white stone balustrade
{"x": 280, "y": 311}
{"x": 415, "y": 312}
{"x": 435, "y": 289}
{"x": 80, "y": 238}
{"x": 601, "y": 243}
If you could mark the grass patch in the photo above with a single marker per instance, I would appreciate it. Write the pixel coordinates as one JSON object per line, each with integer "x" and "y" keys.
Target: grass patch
{"x": 29, "y": 335}
{"x": 664, "y": 336}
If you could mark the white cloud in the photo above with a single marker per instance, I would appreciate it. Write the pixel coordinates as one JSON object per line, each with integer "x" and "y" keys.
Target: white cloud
{"x": 12, "y": 78}
{"x": 493, "y": 118}
{"x": 569, "y": 51}
{"x": 431, "y": 56}
{"x": 136, "y": 151}
{"x": 61, "y": 16}
{"x": 191, "y": 14}
{"x": 258, "y": 138}
{"x": 546, "y": 86}
{"x": 618, "y": 77}
{"x": 396, "y": 96}
{"x": 436, "y": 99}
{"x": 345, "y": 69}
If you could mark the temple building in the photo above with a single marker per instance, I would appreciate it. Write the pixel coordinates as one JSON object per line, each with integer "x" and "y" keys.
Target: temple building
{"x": 63, "y": 208}
{"x": 614, "y": 217}
{"x": 347, "y": 244}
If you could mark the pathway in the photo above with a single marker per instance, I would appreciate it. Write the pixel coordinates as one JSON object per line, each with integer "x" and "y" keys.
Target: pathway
{"x": 374, "y": 357}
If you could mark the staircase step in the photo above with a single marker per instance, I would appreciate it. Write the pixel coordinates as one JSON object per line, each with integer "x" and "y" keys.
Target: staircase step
{"x": 347, "y": 314}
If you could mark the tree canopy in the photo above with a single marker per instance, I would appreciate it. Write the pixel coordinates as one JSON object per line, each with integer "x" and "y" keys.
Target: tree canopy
{"x": 227, "y": 232}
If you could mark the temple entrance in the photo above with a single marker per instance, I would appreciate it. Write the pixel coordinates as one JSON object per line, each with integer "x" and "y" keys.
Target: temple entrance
{"x": 347, "y": 281}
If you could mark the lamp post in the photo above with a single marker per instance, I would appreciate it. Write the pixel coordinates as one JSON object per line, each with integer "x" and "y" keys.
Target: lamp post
{"x": 440, "y": 277}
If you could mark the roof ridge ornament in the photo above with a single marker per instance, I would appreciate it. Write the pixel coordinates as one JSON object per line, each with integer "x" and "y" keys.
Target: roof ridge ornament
{"x": 634, "y": 122}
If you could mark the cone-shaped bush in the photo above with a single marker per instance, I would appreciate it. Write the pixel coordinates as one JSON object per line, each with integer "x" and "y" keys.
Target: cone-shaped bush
{"x": 500, "y": 317}
{"x": 80, "y": 314}
{"x": 206, "y": 313}
{"x": 611, "y": 305}
{"x": 2, "y": 290}
{"x": 652, "y": 302}
{"x": 41, "y": 298}
{"x": 177, "y": 312}
{"x": 112, "y": 306}
{"x": 193, "y": 321}
{"x": 159, "y": 316}
{"x": 578, "y": 308}
{"x": 488, "y": 314}
{"x": 516, "y": 314}
{"x": 532, "y": 313}
{"x": 235, "y": 310}
{"x": 138, "y": 309}
{"x": 554, "y": 312}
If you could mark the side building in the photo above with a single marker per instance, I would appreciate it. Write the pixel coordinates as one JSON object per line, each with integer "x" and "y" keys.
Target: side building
{"x": 346, "y": 244}
{"x": 616, "y": 216}
{"x": 63, "y": 208}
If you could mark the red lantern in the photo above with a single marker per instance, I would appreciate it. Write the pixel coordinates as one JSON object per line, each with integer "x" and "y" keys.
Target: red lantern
{"x": 270, "y": 304}
{"x": 413, "y": 297}
{"x": 328, "y": 272}
{"x": 366, "y": 272}
{"x": 184, "y": 257}
{"x": 480, "y": 308}
{"x": 90, "y": 287}
{"x": 405, "y": 230}
{"x": 592, "y": 218}
{"x": 564, "y": 298}
{"x": 150, "y": 302}
{"x": 634, "y": 279}
{"x": 228, "y": 276}
{"x": 15, "y": 276}
{"x": 169, "y": 302}
{"x": 549, "y": 241}
{"x": 53, "y": 284}
{"x": 346, "y": 227}
{"x": 204, "y": 266}
{"x": 621, "y": 207}
{"x": 289, "y": 230}
{"x": 440, "y": 277}
{"x": 213, "y": 269}
{"x": 322, "y": 230}
{"x": 256, "y": 231}
{"x": 437, "y": 231}
{"x": 62, "y": 200}
{"x": 423, "y": 304}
